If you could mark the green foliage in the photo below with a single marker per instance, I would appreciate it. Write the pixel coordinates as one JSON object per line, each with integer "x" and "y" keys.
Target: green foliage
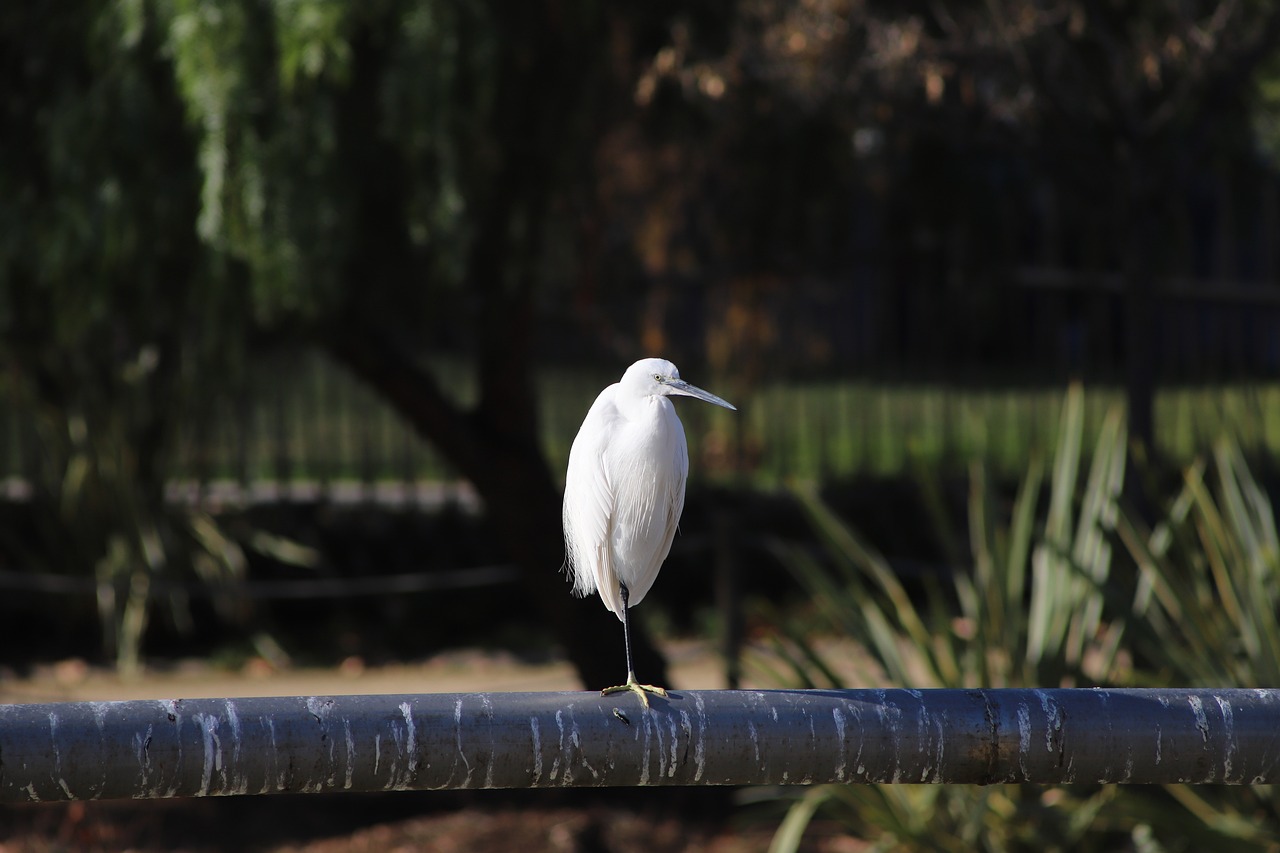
{"x": 1265, "y": 110}
{"x": 178, "y": 178}
{"x": 311, "y": 41}
{"x": 111, "y": 318}
{"x": 1209, "y": 588}
{"x": 978, "y": 629}
{"x": 333, "y": 141}
{"x": 1072, "y": 591}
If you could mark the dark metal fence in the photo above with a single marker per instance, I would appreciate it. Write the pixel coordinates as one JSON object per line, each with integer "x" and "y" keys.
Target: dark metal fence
{"x": 326, "y": 439}
{"x": 907, "y": 346}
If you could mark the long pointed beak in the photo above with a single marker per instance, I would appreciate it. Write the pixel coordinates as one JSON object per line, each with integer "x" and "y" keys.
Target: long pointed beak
{"x": 684, "y": 389}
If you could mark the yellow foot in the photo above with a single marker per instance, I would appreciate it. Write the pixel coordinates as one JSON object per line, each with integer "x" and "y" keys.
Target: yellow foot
{"x": 641, "y": 690}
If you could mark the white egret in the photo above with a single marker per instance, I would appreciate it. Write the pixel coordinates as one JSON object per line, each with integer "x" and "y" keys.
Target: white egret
{"x": 624, "y": 491}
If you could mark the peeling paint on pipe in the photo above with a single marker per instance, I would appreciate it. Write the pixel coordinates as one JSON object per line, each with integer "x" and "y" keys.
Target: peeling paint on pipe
{"x": 308, "y": 744}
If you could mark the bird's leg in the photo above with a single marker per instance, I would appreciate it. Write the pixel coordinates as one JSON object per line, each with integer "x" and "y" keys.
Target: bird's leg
{"x": 642, "y": 690}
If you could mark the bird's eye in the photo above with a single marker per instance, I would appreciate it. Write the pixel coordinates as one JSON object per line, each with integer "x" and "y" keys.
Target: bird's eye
{"x": 657, "y": 377}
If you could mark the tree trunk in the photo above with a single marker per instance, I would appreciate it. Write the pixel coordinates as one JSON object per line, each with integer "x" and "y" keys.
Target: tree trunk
{"x": 527, "y": 137}
{"x": 1140, "y": 357}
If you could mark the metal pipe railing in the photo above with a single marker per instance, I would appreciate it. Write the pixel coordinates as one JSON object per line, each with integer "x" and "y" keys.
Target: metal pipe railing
{"x": 205, "y": 747}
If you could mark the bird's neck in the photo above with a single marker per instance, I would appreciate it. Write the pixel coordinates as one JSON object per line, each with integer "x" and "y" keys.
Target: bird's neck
{"x": 646, "y": 408}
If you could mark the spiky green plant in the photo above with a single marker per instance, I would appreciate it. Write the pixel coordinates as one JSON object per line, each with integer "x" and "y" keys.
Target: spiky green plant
{"x": 1050, "y": 600}
{"x": 1205, "y": 614}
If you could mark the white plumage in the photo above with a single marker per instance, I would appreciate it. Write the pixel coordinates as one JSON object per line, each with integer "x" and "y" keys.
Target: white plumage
{"x": 624, "y": 490}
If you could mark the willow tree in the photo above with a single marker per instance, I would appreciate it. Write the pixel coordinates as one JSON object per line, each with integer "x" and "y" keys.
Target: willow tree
{"x": 387, "y": 176}
{"x": 113, "y": 318}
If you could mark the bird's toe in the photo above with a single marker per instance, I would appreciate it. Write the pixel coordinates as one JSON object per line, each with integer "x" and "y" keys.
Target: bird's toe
{"x": 641, "y": 690}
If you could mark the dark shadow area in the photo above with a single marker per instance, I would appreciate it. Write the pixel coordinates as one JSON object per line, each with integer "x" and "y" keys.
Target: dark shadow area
{"x": 654, "y": 819}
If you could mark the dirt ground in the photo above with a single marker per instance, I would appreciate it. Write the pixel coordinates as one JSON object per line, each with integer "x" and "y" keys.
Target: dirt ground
{"x": 321, "y": 824}
{"x": 641, "y": 820}
{"x": 693, "y": 665}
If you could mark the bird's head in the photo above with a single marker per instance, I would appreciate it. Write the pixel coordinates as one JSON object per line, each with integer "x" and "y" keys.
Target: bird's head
{"x": 657, "y": 377}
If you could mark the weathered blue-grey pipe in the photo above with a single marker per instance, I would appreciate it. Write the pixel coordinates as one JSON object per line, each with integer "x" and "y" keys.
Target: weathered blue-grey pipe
{"x": 208, "y": 747}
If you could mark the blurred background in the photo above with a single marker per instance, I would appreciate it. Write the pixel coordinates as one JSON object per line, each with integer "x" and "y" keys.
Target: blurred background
{"x": 302, "y": 302}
